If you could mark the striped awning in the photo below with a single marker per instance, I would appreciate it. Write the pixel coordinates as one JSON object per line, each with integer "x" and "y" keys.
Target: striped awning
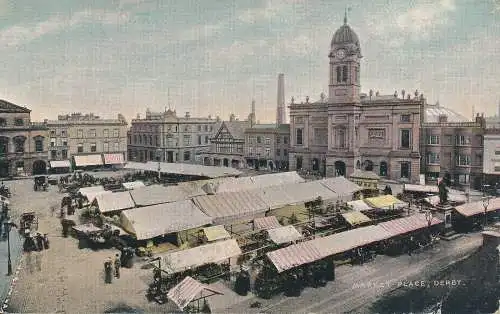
{"x": 266, "y": 223}
{"x": 114, "y": 159}
{"x": 188, "y": 290}
{"x": 60, "y": 164}
{"x": 88, "y": 160}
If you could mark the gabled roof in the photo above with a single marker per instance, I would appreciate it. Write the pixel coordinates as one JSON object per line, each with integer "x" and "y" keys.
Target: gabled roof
{"x": 6, "y": 106}
{"x": 235, "y": 128}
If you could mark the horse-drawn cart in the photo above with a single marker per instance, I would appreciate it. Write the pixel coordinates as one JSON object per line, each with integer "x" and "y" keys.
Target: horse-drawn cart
{"x": 40, "y": 183}
{"x": 28, "y": 222}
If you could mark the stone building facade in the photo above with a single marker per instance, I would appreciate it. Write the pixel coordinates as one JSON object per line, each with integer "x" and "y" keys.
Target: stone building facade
{"x": 23, "y": 144}
{"x": 170, "y": 138}
{"x": 491, "y": 155}
{"x": 77, "y": 134}
{"x": 268, "y": 146}
{"x": 348, "y": 130}
{"x": 227, "y": 144}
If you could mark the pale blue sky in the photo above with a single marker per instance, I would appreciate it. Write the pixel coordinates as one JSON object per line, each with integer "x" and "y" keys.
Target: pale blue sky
{"x": 110, "y": 56}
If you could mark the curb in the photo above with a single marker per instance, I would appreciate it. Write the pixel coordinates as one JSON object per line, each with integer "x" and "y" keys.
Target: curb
{"x": 13, "y": 283}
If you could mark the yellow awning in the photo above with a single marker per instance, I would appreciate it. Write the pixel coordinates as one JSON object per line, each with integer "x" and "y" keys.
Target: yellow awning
{"x": 355, "y": 218}
{"x": 383, "y": 201}
{"x": 216, "y": 233}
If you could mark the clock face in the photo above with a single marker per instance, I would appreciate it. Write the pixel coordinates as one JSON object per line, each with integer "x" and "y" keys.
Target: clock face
{"x": 340, "y": 53}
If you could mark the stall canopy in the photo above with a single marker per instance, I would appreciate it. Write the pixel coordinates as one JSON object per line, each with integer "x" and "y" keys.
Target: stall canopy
{"x": 111, "y": 202}
{"x": 359, "y": 205}
{"x": 114, "y": 159}
{"x": 92, "y": 195}
{"x": 191, "y": 169}
{"x": 215, "y": 233}
{"x": 341, "y": 186}
{"x": 308, "y": 191}
{"x": 266, "y": 223}
{"x": 284, "y": 234}
{"x": 355, "y": 218}
{"x": 91, "y": 189}
{"x": 319, "y": 248}
{"x": 408, "y": 224}
{"x": 231, "y": 207}
{"x": 385, "y": 202}
{"x": 421, "y": 188}
{"x": 234, "y": 185}
{"x": 88, "y": 160}
{"x": 60, "y": 164}
{"x": 189, "y": 290}
{"x": 152, "y": 221}
{"x": 215, "y": 252}
{"x": 133, "y": 185}
{"x": 276, "y": 197}
{"x": 279, "y": 178}
{"x": 457, "y": 198}
{"x": 158, "y": 194}
{"x": 475, "y": 208}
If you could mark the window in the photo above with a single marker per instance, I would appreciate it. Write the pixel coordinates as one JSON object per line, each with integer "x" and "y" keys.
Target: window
{"x": 285, "y": 152}
{"x": 199, "y": 139}
{"x": 250, "y": 150}
{"x": 278, "y": 152}
{"x": 405, "y": 118}
{"x": 79, "y": 133}
{"x": 405, "y": 170}
{"x": 285, "y": 139}
{"x": 497, "y": 152}
{"x": 463, "y": 178}
{"x": 105, "y": 133}
{"x": 199, "y": 128}
{"x": 187, "y": 155}
{"x": 187, "y": 128}
{"x": 433, "y": 158}
{"x": 187, "y": 140}
{"x": 298, "y": 136}
{"x": 278, "y": 139}
{"x": 344, "y": 73}
{"x": 405, "y": 138}
{"x": 157, "y": 140}
{"x": 53, "y": 132}
{"x": 64, "y": 154}
{"x": 206, "y": 139}
{"x": 38, "y": 145}
{"x": 93, "y": 147}
{"x": 463, "y": 160}
{"x": 268, "y": 141}
{"x": 206, "y": 128}
{"x": 105, "y": 147}
{"x": 80, "y": 148}
{"x": 339, "y": 75}
{"x": 480, "y": 140}
{"x": 211, "y": 128}
{"x": 433, "y": 140}
{"x": 65, "y": 142}
{"x": 116, "y": 132}
{"x": 259, "y": 140}
{"x": 479, "y": 158}
{"x": 462, "y": 140}
{"x": 52, "y": 142}
{"x": 53, "y": 154}
{"x": 18, "y": 122}
{"x": 19, "y": 144}
{"x": 151, "y": 140}
{"x": 117, "y": 146}
{"x": 341, "y": 138}
{"x": 3, "y": 122}
{"x": 268, "y": 152}
{"x": 448, "y": 139}
{"x": 91, "y": 133}
{"x": 63, "y": 133}
{"x": 357, "y": 74}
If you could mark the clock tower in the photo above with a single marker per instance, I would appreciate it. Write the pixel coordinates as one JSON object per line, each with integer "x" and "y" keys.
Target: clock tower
{"x": 345, "y": 56}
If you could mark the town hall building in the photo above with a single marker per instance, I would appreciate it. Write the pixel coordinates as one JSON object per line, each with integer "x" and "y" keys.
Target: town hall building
{"x": 348, "y": 130}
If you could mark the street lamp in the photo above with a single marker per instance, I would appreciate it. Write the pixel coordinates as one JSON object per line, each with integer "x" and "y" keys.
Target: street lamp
{"x": 8, "y": 225}
{"x": 486, "y": 203}
{"x": 159, "y": 152}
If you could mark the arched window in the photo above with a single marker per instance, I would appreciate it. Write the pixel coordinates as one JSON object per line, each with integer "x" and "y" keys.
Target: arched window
{"x": 339, "y": 75}
{"x": 344, "y": 73}
{"x": 151, "y": 140}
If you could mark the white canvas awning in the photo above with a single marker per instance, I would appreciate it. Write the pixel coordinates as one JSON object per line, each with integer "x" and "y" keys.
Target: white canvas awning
{"x": 114, "y": 159}
{"x": 114, "y": 201}
{"x": 215, "y": 233}
{"x": 185, "y": 169}
{"x": 284, "y": 234}
{"x": 152, "y": 221}
{"x": 341, "y": 186}
{"x": 359, "y": 205}
{"x": 60, "y": 164}
{"x": 421, "y": 188}
{"x": 158, "y": 194}
{"x": 189, "y": 290}
{"x": 91, "y": 189}
{"x": 308, "y": 192}
{"x": 133, "y": 185}
{"x": 88, "y": 160}
{"x": 215, "y": 252}
{"x": 280, "y": 178}
{"x": 92, "y": 195}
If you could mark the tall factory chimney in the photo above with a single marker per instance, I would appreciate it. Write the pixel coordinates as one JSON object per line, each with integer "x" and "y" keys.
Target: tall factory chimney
{"x": 281, "y": 111}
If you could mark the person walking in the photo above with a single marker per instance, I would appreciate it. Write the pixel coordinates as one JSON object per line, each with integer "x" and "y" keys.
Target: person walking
{"x": 117, "y": 265}
{"x": 108, "y": 271}
{"x": 39, "y": 242}
{"x": 45, "y": 241}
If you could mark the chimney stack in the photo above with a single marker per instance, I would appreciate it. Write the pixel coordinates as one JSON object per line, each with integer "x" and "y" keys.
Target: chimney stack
{"x": 280, "y": 112}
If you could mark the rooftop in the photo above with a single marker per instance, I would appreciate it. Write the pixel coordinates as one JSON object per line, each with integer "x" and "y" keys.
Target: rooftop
{"x": 433, "y": 112}
{"x": 8, "y": 107}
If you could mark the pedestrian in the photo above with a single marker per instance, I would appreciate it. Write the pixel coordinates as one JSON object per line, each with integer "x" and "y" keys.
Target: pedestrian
{"x": 46, "y": 241}
{"x": 39, "y": 242}
{"x": 108, "y": 271}
{"x": 117, "y": 265}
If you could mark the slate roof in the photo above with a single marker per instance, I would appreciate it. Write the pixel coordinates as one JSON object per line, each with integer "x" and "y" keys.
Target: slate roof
{"x": 236, "y": 128}
{"x": 6, "y": 107}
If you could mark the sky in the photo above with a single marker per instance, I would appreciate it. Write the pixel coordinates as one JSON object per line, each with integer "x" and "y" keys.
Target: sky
{"x": 214, "y": 57}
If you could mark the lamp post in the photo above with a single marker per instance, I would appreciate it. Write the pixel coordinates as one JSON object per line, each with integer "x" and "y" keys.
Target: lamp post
{"x": 158, "y": 157}
{"x": 8, "y": 225}
{"x": 486, "y": 203}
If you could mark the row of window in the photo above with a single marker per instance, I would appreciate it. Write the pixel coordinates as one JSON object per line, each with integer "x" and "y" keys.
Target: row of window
{"x": 251, "y": 151}
{"x": 148, "y": 140}
{"x": 343, "y": 74}
{"x": 460, "y": 159}
{"x": 266, "y": 140}
{"x": 229, "y": 148}
{"x": 19, "y": 145}
{"x": 92, "y": 147}
{"x": 448, "y": 140}
{"x": 17, "y": 122}
{"x": 54, "y": 154}
{"x": 93, "y": 133}
{"x": 173, "y": 128}
{"x": 58, "y": 142}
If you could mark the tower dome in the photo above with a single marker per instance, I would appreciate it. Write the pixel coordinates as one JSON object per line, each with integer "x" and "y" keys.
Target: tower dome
{"x": 345, "y": 35}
